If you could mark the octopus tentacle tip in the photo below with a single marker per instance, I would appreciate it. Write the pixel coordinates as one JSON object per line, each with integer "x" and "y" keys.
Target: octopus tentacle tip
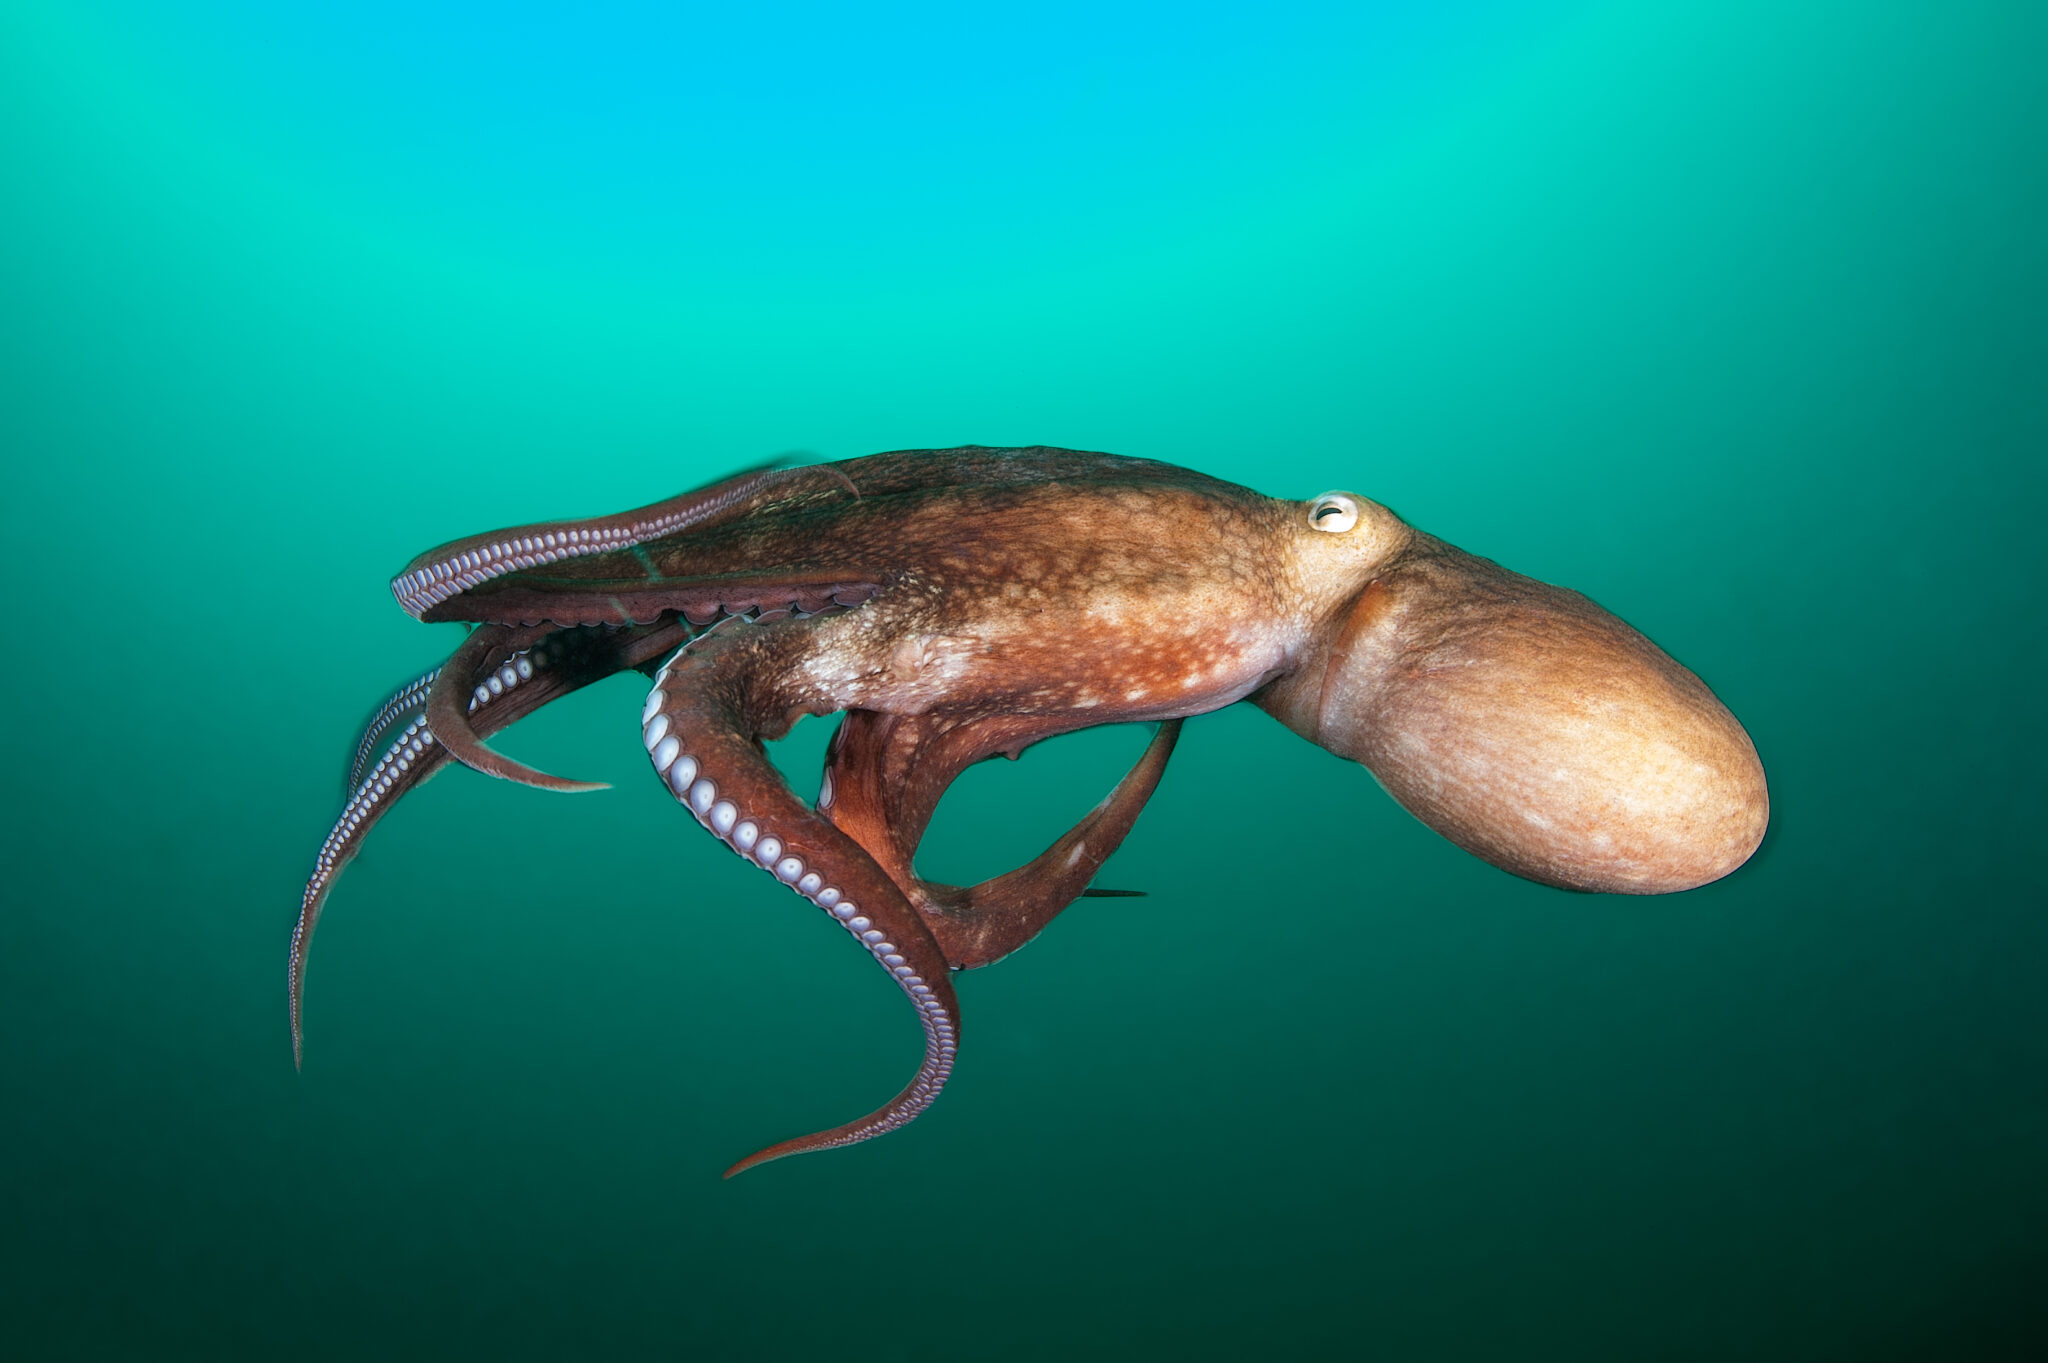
{"x": 561, "y": 785}
{"x": 295, "y": 1011}
{"x": 839, "y": 476}
{"x": 479, "y": 757}
{"x": 768, "y": 1154}
{"x": 450, "y": 700}
{"x": 462, "y": 744}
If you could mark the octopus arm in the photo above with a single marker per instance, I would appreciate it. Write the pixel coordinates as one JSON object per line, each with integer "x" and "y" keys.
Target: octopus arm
{"x": 885, "y": 777}
{"x": 702, "y": 725}
{"x": 520, "y": 682}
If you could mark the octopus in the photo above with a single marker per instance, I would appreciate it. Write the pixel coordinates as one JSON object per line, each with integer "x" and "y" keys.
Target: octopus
{"x": 957, "y": 605}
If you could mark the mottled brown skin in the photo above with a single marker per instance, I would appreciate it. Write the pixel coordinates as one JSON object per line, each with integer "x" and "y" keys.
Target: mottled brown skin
{"x": 998, "y": 574}
{"x": 960, "y": 604}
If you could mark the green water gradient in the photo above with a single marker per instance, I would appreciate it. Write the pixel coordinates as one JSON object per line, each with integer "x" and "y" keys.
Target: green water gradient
{"x": 1730, "y": 315}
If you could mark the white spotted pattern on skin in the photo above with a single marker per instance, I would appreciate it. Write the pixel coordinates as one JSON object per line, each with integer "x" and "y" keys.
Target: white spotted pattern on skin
{"x": 732, "y": 825}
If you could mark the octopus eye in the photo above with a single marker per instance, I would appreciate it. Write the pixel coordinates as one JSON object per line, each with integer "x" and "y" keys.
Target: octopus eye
{"x": 1333, "y": 511}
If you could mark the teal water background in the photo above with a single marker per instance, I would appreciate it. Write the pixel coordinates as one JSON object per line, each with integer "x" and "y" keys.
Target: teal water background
{"x": 1730, "y": 315}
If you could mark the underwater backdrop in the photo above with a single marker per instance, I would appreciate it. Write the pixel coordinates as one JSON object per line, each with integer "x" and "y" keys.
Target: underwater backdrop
{"x": 1730, "y": 315}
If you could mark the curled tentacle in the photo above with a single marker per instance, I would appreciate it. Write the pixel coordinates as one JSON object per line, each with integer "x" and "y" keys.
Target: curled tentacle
{"x": 472, "y": 678}
{"x": 411, "y": 758}
{"x": 550, "y": 669}
{"x": 988, "y": 921}
{"x": 884, "y": 778}
{"x": 441, "y": 574}
{"x": 700, "y": 729}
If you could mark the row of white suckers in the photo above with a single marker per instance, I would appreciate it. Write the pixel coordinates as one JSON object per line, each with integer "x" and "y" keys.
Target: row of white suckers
{"x": 698, "y": 792}
{"x": 423, "y": 588}
{"x": 411, "y": 743}
{"x": 426, "y": 587}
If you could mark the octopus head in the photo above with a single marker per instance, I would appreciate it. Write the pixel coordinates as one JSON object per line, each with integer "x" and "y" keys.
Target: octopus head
{"x": 1520, "y": 720}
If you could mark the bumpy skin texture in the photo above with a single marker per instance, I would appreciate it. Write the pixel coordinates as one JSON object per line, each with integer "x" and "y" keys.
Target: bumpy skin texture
{"x": 961, "y": 604}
